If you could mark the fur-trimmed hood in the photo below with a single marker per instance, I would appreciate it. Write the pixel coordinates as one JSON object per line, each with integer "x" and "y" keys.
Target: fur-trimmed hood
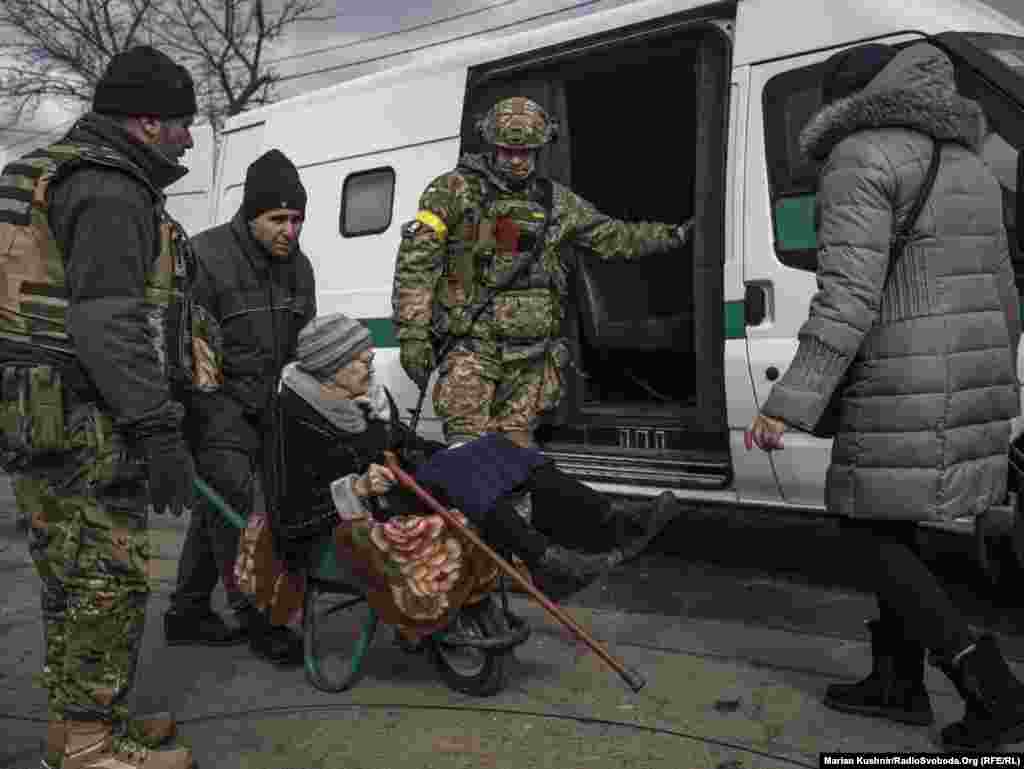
{"x": 916, "y": 90}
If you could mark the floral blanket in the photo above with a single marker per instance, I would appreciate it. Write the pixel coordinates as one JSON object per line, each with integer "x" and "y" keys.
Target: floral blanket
{"x": 416, "y": 570}
{"x": 260, "y": 575}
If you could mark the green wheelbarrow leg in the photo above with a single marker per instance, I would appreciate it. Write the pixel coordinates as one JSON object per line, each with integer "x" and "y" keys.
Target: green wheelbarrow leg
{"x": 221, "y": 504}
{"x": 349, "y": 674}
{"x": 313, "y": 671}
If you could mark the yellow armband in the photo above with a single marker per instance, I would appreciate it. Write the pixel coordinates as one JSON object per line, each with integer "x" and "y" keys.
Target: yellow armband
{"x": 433, "y": 221}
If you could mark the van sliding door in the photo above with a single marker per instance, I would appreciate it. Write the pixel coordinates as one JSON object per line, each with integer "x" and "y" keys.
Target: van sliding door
{"x": 780, "y": 251}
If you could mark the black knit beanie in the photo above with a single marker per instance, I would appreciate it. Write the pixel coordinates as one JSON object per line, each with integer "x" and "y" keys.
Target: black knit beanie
{"x": 849, "y": 71}
{"x": 272, "y": 181}
{"x": 144, "y": 81}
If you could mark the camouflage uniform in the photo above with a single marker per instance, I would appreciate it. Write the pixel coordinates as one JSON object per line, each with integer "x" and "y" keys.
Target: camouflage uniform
{"x": 88, "y": 539}
{"x": 79, "y": 477}
{"x": 472, "y": 229}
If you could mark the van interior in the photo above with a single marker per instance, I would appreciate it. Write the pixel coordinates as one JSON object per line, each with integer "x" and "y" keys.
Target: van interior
{"x": 644, "y": 394}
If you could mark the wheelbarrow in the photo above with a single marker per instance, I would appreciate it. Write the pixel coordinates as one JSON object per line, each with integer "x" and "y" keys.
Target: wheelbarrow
{"x": 339, "y": 625}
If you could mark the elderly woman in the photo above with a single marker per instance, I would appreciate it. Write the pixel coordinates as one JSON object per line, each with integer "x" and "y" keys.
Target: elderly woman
{"x": 918, "y": 351}
{"x": 335, "y": 426}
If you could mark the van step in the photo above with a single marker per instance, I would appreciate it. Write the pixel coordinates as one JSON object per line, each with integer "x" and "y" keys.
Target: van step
{"x": 631, "y": 470}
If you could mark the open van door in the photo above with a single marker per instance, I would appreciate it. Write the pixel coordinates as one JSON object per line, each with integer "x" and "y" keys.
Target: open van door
{"x": 644, "y": 391}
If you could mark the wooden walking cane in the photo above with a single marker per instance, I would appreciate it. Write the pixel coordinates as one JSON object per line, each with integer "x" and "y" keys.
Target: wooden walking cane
{"x": 632, "y": 678}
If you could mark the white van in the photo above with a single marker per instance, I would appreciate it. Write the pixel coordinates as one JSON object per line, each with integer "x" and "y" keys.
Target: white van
{"x": 670, "y": 109}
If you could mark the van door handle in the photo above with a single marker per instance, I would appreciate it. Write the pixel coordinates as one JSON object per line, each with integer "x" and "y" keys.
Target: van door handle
{"x": 755, "y": 304}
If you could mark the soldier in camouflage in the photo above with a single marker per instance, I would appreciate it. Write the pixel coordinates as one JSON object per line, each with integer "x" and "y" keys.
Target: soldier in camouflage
{"x": 97, "y": 341}
{"x": 479, "y": 272}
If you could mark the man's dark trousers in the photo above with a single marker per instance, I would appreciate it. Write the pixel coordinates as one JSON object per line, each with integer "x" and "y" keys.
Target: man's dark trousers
{"x": 227, "y": 449}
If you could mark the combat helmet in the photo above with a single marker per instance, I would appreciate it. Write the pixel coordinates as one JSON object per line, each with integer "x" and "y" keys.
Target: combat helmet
{"x": 517, "y": 123}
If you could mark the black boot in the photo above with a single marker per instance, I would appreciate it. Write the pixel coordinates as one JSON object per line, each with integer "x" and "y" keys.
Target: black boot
{"x": 560, "y": 572}
{"x": 577, "y": 565}
{"x": 994, "y": 699}
{"x": 895, "y": 687}
{"x": 628, "y": 518}
{"x": 201, "y": 629}
{"x": 640, "y": 522}
{"x": 274, "y": 643}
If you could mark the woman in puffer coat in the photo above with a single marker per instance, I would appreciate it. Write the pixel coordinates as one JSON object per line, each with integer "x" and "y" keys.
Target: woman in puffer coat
{"x": 923, "y": 365}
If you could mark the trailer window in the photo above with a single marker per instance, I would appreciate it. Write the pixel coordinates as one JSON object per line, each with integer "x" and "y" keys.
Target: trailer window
{"x": 367, "y": 200}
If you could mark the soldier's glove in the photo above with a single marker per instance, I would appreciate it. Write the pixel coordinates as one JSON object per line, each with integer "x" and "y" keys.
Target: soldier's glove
{"x": 171, "y": 472}
{"x": 417, "y": 357}
{"x": 685, "y": 230}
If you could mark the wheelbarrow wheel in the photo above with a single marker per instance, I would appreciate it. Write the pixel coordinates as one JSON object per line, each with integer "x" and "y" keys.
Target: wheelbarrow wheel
{"x": 474, "y": 671}
{"x": 338, "y": 629}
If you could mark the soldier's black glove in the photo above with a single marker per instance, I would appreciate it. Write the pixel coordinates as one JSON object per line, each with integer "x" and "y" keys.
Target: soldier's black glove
{"x": 685, "y": 231}
{"x": 171, "y": 472}
{"x": 417, "y": 358}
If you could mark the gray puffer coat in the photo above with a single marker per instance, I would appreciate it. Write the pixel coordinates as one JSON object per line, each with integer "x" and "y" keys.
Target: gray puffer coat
{"x": 927, "y": 362}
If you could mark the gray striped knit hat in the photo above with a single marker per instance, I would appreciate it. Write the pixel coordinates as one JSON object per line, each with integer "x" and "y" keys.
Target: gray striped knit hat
{"x": 329, "y": 342}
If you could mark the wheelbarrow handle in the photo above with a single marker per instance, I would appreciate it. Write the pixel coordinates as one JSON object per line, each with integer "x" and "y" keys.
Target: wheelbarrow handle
{"x": 632, "y": 677}
{"x": 221, "y": 504}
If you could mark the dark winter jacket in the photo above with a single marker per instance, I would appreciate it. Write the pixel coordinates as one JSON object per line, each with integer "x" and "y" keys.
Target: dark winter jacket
{"x": 106, "y": 222}
{"x": 316, "y": 451}
{"x": 474, "y": 476}
{"x": 239, "y": 283}
{"x": 929, "y": 358}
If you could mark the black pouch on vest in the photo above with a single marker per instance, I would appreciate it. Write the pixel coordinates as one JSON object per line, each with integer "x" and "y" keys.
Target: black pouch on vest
{"x": 31, "y": 414}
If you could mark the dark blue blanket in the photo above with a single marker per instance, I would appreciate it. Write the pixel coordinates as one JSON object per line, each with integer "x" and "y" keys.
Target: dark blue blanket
{"x": 475, "y": 475}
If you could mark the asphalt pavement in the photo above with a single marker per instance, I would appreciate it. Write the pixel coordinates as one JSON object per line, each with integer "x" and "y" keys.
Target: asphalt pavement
{"x": 737, "y": 624}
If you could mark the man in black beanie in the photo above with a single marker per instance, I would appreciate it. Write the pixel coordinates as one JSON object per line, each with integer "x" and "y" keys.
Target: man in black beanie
{"x": 112, "y": 269}
{"x": 257, "y": 283}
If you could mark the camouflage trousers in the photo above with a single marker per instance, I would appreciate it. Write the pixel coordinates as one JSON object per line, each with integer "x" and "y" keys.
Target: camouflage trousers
{"x": 88, "y": 538}
{"x": 485, "y": 387}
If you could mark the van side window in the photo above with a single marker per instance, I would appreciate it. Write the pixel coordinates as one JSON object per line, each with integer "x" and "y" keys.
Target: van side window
{"x": 367, "y": 199}
{"x": 790, "y": 99}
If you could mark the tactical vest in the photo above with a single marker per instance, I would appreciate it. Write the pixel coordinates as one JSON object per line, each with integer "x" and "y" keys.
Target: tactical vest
{"x": 33, "y": 290}
{"x": 494, "y": 239}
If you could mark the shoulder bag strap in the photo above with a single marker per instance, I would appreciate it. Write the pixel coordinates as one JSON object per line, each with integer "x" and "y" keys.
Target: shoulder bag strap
{"x": 902, "y": 237}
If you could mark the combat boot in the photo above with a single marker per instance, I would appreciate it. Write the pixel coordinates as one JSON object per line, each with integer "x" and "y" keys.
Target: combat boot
{"x": 895, "y": 687}
{"x": 151, "y": 730}
{"x": 994, "y": 699}
{"x": 92, "y": 745}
